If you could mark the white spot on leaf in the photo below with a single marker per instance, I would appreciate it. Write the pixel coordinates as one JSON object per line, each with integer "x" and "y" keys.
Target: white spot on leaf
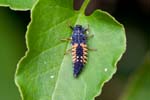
{"x": 105, "y": 69}
{"x": 52, "y": 76}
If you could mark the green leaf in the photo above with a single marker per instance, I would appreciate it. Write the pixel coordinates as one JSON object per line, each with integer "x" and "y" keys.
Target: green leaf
{"x": 18, "y": 4}
{"x": 138, "y": 87}
{"x": 45, "y": 73}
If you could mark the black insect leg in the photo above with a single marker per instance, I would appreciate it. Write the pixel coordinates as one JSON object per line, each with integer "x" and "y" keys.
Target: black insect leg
{"x": 67, "y": 39}
{"x": 70, "y": 26}
{"x": 86, "y": 30}
{"x": 92, "y": 49}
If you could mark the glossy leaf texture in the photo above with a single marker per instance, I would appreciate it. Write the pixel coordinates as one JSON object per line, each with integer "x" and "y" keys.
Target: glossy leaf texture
{"x": 138, "y": 87}
{"x": 18, "y": 4}
{"x": 45, "y": 73}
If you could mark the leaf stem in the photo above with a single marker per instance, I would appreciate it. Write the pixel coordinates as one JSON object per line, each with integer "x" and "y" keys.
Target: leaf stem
{"x": 84, "y": 5}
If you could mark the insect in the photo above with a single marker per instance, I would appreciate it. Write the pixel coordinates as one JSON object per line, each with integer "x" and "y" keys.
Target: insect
{"x": 79, "y": 48}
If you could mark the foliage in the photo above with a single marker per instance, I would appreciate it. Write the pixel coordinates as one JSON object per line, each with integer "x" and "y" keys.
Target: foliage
{"x": 45, "y": 73}
{"x": 138, "y": 88}
{"x": 18, "y": 4}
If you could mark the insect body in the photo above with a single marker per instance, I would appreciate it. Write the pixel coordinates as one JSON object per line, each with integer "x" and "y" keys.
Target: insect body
{"x": 79, "y": 48}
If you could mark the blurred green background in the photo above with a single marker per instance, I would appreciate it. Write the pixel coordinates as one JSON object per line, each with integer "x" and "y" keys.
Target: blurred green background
{"x": 135, "y": 15}
{"x": 12, "y": 48}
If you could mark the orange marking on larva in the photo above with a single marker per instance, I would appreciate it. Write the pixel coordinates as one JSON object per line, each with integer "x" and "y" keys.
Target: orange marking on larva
{"x": 83, "y": 45}
{"x": 73, "y": 50}
{"x": 84, "y": 53}
{"x": 75, "y": 45}
{"x": 74, "y": 60}
{"x": 84, "y": 61}
{"x": 73, "y": 57}
{"x": 85, "y": 49}
{"x": 84, "y": 57}
{"x": 73, "y": 53}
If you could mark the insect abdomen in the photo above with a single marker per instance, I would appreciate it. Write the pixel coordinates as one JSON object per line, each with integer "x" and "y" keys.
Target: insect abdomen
{"x": 79, "y": 55}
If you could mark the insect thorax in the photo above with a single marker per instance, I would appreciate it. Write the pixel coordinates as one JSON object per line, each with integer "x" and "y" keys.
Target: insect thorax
{"x": 78, "y": 35}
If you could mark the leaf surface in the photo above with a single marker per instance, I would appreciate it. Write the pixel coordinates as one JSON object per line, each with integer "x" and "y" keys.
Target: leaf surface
{"x": 45, "y": 73}
{"x": 18, "y": 4}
